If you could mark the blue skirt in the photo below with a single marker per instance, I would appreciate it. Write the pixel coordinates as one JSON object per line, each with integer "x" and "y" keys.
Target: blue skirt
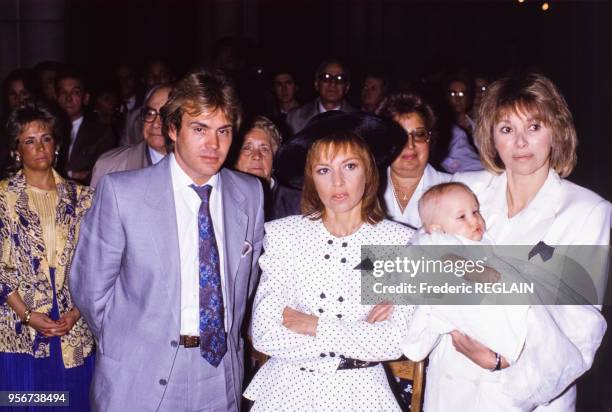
{"x": 23, "y": 372}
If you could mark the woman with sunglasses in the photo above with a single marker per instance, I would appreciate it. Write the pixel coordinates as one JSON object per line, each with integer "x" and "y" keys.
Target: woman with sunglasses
{"x": 410, "y": 174}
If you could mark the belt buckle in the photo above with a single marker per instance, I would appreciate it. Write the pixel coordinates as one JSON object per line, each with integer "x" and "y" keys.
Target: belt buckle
{"x": 190, "y": 341}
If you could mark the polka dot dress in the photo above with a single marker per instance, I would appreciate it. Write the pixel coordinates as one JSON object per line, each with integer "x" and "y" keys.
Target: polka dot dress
{"x": 307, "y": 268}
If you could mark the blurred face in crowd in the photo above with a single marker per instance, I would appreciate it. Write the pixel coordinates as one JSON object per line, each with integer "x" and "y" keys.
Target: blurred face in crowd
{"x": 457, "y": 96}
{"x": 332, "y": 85}
{"x": 36, "y": 147}
{"x": 414, "y": 157}
{"x": 106, "y": 105}
{"x": 46, "y": 79}
{"x": 16, "y": 93}
{"x": 284, "y": 88}
{"x": 523, "y": 143}
{"x": 71, "y": 97}
{"x": 157, "y": 73}
{"x": 372, "y": 92}
{"x": 340, "y": 180}
{"x": 202, "y": 144}
{"x": 152, "y": 124}
{"x": 257, "y": 153}
{"x": 127, "y": 81}
{"x": 480, "y": 88}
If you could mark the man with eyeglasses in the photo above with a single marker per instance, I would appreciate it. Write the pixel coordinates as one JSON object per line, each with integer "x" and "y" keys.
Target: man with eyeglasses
{"x": 332, "y": 83}
{"x": 146, "y": 153}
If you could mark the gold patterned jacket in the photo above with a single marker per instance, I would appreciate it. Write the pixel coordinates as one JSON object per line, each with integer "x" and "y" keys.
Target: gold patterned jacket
{"x": 24, "y": 267}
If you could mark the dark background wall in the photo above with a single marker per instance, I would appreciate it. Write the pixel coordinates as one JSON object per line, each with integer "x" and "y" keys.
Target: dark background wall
{"x": 571, "y": 43}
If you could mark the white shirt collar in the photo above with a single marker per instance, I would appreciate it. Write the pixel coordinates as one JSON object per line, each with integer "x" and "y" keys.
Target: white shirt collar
{"x": 182, "y": 181}
{"x": 155, "y": 155}
{"x": 322, "y": 108}
{"x": 76, "y": 125}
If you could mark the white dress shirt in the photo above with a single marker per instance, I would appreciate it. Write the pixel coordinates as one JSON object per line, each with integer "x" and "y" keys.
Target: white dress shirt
{"x": 187, "y": 204}
{"x": 410, "y": 215}
{"x": 155, "y": 155}
{"x": 76, "y": 125}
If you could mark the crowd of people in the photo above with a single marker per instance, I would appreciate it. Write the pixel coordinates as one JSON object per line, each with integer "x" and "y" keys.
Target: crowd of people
{"x": 150, "y": 225}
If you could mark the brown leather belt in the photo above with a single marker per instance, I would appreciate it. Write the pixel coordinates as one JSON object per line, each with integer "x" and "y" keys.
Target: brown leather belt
{"x": 189, "y": 341}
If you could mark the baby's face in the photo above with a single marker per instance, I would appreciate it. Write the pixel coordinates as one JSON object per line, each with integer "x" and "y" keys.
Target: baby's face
{"x": 459, "y": 214}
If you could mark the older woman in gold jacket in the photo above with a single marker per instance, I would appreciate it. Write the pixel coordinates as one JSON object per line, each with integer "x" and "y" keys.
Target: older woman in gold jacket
{"x": 45, "y": 345}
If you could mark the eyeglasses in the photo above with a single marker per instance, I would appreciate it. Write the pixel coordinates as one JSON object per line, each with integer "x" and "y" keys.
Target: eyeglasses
{"x": 149, "y": 115}
{"x": 333, "y": 78}
{"x": 420, "y": 135}
{"x": 249, "y": 150}
{"x": 456, "y": 93}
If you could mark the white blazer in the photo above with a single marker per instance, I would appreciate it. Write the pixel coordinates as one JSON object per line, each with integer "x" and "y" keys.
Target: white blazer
{"x": 561, "y": 213}
{"x": 410, "y": 216}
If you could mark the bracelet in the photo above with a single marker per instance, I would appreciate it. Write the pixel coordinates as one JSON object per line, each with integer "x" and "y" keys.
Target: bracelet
{"x": 497, "y": 363}
{"x": 27, "y": 316}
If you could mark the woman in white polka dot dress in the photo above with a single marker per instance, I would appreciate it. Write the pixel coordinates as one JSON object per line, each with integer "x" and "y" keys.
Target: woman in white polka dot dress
{"x": 324, "y": 345}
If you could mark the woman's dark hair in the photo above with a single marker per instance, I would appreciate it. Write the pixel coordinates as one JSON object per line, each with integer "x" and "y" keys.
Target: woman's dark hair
{"x": 27, "y": 113}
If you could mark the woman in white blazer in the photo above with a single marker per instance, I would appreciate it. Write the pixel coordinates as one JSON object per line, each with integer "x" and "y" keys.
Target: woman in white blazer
{"x": 324, "y": 344}
{"x": 528, "y": 144}
{"x": 410, "y": 174}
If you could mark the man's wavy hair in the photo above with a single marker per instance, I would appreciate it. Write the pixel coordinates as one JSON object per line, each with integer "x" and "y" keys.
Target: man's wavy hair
{"x": 198, "y": 91}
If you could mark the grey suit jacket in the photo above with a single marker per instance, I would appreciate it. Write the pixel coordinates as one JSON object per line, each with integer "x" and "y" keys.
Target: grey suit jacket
{"x": 122, "y": 158}
{"x": 299, "y": 117}
{"x": 125, "y": 279}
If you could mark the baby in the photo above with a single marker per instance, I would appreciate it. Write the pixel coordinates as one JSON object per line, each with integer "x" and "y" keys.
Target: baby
{"x": 452, "y": 208}
{"x": 450, "y": 213}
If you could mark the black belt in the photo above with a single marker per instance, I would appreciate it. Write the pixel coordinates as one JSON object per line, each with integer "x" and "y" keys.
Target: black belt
{"x": 350, "y": 363}
{"x": 189, "y": 341}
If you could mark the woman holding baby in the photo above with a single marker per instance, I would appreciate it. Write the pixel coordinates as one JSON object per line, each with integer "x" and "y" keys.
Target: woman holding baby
{"x": 527, "y": 142}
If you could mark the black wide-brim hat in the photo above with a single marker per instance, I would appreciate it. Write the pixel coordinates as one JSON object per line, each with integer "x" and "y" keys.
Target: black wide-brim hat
{"x": 385, "y": 138}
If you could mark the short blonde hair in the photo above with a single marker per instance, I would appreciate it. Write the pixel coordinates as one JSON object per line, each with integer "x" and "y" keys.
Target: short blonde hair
{"x": 537, "y": 96}
{"x": 330, "y": 146}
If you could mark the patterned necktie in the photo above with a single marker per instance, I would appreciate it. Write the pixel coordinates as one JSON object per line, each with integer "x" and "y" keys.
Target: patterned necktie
{"x": 213, "y": 344}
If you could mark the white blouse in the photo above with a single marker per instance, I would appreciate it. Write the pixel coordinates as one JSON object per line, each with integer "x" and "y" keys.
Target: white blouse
{"x": 307, "y": 268}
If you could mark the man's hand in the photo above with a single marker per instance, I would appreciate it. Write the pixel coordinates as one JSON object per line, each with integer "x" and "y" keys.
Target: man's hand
{"x": 299, "y": 322}
{"x": 380, "y": 312}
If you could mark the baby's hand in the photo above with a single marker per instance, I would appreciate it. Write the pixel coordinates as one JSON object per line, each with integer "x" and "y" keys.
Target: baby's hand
{"x": 488, "y": 275}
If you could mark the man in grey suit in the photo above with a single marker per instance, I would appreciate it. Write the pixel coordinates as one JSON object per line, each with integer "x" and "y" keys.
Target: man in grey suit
{"x": 166, "y": 261}
{"x": 149, "y": 151}
{"x": 332, "y": 83}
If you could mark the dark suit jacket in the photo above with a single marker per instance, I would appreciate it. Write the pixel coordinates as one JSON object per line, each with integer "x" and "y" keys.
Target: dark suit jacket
{"x": 92, "y": 140}
{"x": 299, "y": 117}
{"x": 282, "y": 201}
